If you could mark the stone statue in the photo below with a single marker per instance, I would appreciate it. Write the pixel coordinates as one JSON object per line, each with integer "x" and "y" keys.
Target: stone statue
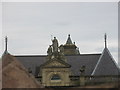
{"x": 61, "y": 48}
{"x": 49, "y": 51}
{"x": 82, "y": 75}
{"x": 61, "y": 53}
{"x": 82, "y": 69}
{"x": 55, "y": 44}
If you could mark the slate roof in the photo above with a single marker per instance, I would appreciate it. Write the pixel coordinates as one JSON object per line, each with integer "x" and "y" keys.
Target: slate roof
{"x": 76, "y": 61}
{"x": 106, "y": 65}
{"x": 32, "y": 61}
{"x": 89, "y": 60}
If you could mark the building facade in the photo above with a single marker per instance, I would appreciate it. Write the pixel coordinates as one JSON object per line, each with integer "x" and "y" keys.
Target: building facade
{"x": 64, "y": 65}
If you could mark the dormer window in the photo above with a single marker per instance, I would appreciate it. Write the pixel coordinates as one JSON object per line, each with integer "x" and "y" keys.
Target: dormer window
{"x": 55, "y": 77}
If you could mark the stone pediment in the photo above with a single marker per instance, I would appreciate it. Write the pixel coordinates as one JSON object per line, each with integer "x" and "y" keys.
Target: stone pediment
{"x": 55, "y": 63}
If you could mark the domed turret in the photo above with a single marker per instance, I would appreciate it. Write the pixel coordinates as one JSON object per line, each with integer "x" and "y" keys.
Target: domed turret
{"x": 70, "y": 48}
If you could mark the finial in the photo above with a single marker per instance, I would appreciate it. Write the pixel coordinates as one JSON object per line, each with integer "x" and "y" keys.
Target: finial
{"x": 51, "y": 37}
{"x": 6, "y": 40}
{"x": 105, "y": 40}
{"x": 69, "y": 41}
{"x": 69, "y": 35}
{"x": 74, "y": 42}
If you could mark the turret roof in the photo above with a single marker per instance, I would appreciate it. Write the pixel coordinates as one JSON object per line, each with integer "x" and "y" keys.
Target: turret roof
{"x": 106, "y": 65}
{"x": 69, "y": 41}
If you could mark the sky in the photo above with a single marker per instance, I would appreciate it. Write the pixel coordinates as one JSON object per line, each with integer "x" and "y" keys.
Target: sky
{"x": 30, "y": 26}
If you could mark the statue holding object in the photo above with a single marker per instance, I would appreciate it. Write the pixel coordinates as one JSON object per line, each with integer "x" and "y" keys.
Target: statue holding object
{"x": 55, "y": 45}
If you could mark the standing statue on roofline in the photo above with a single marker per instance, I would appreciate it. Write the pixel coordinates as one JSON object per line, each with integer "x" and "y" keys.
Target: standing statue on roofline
{"x": 82, "y": 69}
{"x": 49, "y": 51}
{"x": 61, "y": 48}
{"x": 55, "y": 45}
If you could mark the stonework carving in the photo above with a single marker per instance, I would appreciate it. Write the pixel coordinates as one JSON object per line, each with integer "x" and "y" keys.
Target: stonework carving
{"x": 55, "y": 44}
{"x": 63, "y": 73}
{"x": 82, "y": 70}
{"x": 56, "y": 65}
{"x": 61, "y": 49}
{"x": 55, "y": 51}
{"x": 49, "y": 51}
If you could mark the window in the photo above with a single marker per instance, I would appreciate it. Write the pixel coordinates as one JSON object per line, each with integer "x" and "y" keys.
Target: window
{"x": 55, "y": 77}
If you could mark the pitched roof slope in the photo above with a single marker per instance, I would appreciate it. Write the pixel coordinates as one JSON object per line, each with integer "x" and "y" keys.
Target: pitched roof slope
{"x": 32, "y": 62}
{"x": 14, "y": 75}
{"x": 76, "y": 61}
{"x": 106, "y": 65}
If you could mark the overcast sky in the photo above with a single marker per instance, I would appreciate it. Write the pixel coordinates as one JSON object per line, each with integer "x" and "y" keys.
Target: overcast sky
{"x": 29, "y": 26}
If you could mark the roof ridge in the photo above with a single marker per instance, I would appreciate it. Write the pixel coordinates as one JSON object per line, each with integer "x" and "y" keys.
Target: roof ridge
{"x": 46, "y": 55}
{"x": 29, "y": 55}
{"x": 98, "y": 62}
{"x": 91, "y": 54}
{"x": 84, "y": 54}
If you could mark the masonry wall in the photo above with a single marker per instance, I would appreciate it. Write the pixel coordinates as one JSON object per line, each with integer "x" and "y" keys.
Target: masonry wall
{"x": 47, "y": 73}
